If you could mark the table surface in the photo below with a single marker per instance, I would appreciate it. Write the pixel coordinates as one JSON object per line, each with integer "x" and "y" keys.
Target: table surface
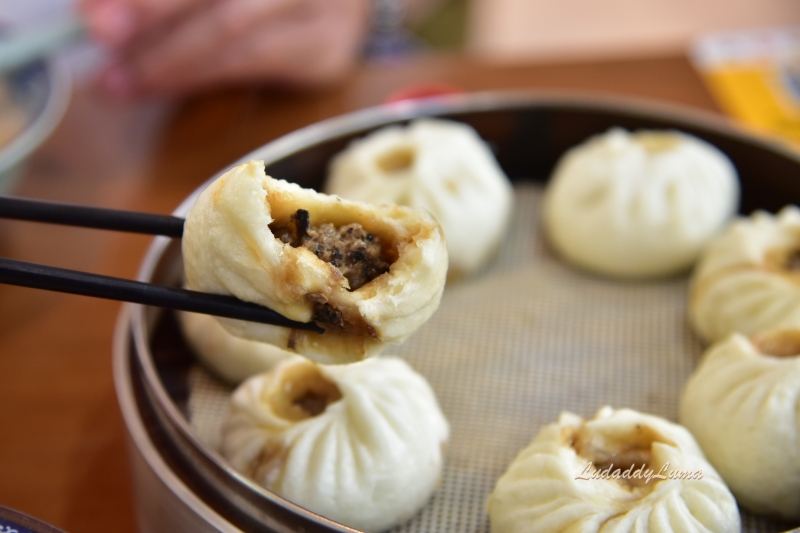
{"x": 63, "y": 454}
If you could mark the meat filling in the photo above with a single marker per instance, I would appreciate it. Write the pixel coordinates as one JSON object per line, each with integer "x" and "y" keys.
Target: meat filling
{"x": 778, "y": 343}
{"x": 629, "y": 452}
{"x": 312, "y": 403}
{"x": 303, "y": 392}
{"x": 359, "y": 255}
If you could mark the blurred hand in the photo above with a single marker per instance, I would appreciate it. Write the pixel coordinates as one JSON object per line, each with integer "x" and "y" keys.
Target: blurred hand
{"x": 176, "y": 46}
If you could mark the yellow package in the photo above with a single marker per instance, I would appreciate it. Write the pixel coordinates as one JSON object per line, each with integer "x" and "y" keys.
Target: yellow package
{"x": 755, "y": 77}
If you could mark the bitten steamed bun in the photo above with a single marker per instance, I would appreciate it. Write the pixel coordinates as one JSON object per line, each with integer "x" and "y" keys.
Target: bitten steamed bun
{"x": 549, "y": 487}
{"x": 360, "y": 444}
{"x": 741, "y": 404}
{"x": 370, "y": 275}
{"x": 749, "y": 279}
{"x": 438, "y": 165}
{"x": 638, "y": 205}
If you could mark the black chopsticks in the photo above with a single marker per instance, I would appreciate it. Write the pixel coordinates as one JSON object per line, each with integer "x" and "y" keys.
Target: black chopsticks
{"x": 15, "y": 272}
{"x": 90, "y": 217}
{"x": 51, "y": 278}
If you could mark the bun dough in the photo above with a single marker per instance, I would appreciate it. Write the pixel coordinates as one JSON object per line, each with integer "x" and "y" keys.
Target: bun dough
{"x": 360, "y": 444}
{"x": 741, "y": 404}
{"x": 638, "y": 205}
{"x": 438, "y": 165}
{"x": 749, "y": 279}
{"x": 545, "y": 488}
{"x": 230, "y": 247}
{"x": 229, "y": 357}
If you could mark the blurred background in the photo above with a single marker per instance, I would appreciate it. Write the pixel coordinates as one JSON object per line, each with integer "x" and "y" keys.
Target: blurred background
{"x": 166, "y": 93}
{"x": 529, "y": 30}
{"x": 534, "y": 30}
{"x": 135, "y": 49}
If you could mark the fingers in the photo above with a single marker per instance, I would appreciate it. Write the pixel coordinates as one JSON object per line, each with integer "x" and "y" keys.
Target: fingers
{"x": 176, "y": 46}
{"x": 112, "y": 22}
{"x": 317, "y": 48}
{"x": 116, "y": 23}
{"x": 156, "y": 11}
{"x": 309, "y": 41}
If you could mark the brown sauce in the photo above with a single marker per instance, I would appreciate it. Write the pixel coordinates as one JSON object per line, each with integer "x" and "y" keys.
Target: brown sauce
{"x": 303, "y": 393}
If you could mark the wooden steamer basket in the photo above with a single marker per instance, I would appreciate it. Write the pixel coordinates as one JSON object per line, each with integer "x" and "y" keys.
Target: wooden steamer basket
{"x": 182, "y": 484}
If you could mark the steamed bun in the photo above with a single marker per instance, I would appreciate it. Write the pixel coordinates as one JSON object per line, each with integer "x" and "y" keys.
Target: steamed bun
{"x": 749, "y": 279}
{"x": 360, "y": 444}
{"x": 550, "y": 486}
{"x": 741, "y": 404}
{"x": 369, "y": 275}
{"x": 229, "y": 357}
{"x": 441, "y": 166}
{"x": 639, "y": 205}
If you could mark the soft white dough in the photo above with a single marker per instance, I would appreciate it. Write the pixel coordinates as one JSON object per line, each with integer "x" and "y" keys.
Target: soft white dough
{"x": 741, "y": 404}
{"x": 545, "y": 488}
{"x": 230, "y": 357}
{"x": 638, "y": 205}
{"x": 439, "y": 165}
{"x": 370, "y": 460}
{"x": 229, "y": 248}
{"x": 743, "y": 282}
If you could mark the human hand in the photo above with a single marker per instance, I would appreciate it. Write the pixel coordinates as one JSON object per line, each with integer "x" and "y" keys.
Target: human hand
{"x": 176, "y": 46}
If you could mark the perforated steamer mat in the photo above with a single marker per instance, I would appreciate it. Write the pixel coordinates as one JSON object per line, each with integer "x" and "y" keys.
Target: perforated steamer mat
{"x": 510, "y": 348}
